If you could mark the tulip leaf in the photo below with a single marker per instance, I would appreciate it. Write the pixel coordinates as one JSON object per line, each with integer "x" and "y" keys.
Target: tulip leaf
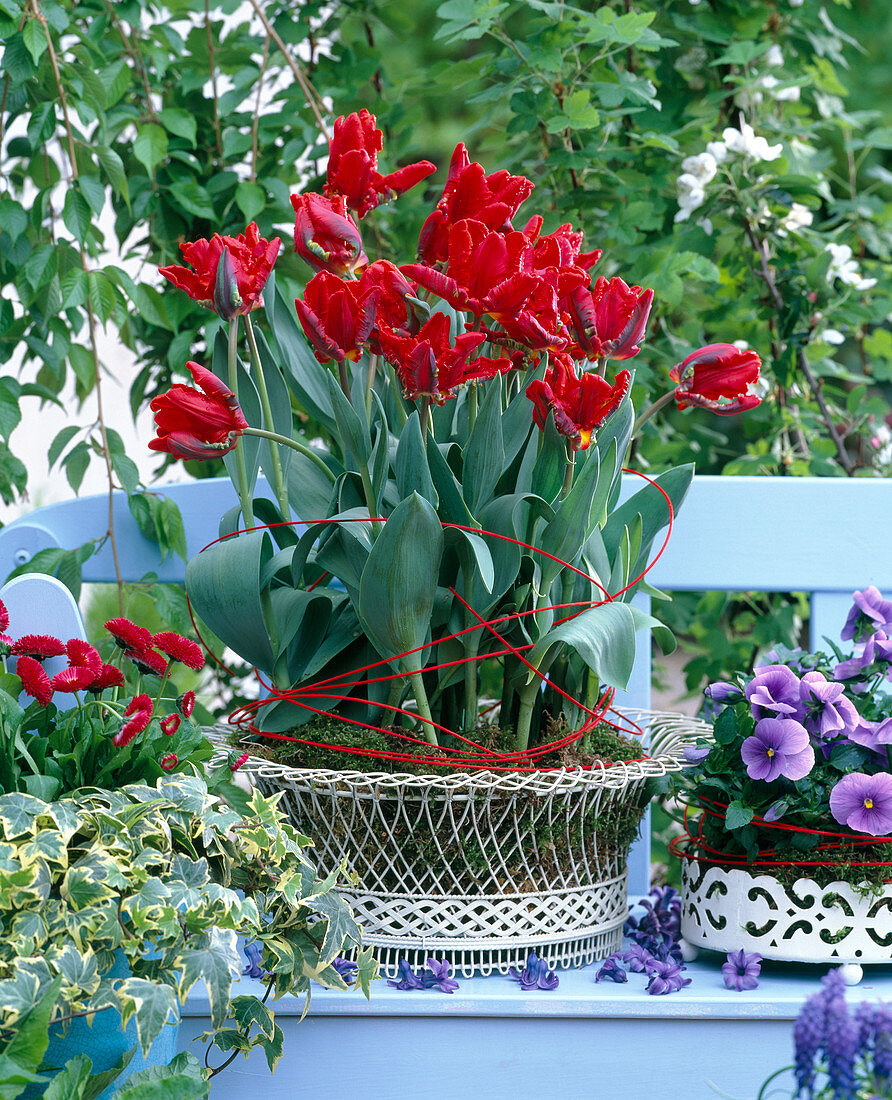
{"x": 484, "y": 455}
{"x": 223, "y": 584}
{"x": 452, "y": 505}
{"x": 399, "y": 582}
{"x": 649, "y": 502}
{"x": 517, "y": 420}
{"x": 410, "y": 466}
{"x": 309, "y": 490}
{"x": 617, "y": 427}
{"x": 551, "y": 461}
{"x": 566, "y": 533}
{"x": 306, "y": 376}
{"x": 352, "y": 425}
{"x": 603, "y": 636}
{"x": 280, "y": 406}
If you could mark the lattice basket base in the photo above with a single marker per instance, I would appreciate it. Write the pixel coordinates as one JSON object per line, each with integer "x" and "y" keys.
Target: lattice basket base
{"x": 726, "y": 910}
{"x": 482, "y": 867}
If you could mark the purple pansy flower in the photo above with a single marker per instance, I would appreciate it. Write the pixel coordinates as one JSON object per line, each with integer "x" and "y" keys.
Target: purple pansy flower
{"x": 408, "y": 979}
{"x": 869, "y": 611}
{"x": 742, "y": 970}
{"x": 696, "y": 754}
{"x": 776, "y": 810}
{"x": 779, "y": 746}
{"x": 864, "y": 802}
{"x": 611, "y": 969}
{"x": 872, "y": 735}
{"x": 774, "y": 690}
{"x": 723, "y": 692}
{"x": 827, "y": 710}
{"x": 878, "y": 648}
{"x": 665, "y": 978}
{"x": 437, "y": 975}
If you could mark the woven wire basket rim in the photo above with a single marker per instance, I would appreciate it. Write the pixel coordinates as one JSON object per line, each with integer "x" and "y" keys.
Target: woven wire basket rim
{"x": 670, "y": 734}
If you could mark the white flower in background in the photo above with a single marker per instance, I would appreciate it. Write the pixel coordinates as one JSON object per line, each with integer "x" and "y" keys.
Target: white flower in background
{"x": 775, "y": 55}
{"x": 844, "y": 268}
{"x": 796, "y": 3}
{"x": 771, "y": 84}
{"x": 691, "y": 65}
{"x": 706, "y": 225}
{"x": 798, "y": 217}
{"x": 690, "y": 196}
{"x": 745, "y": 142}
{"x": 718, "y": 150}
{"x": 741, "y": 345}
{"x": 832, "y": 336}
{"x": 881, "y": 441}
{"x": 702, "y": 167}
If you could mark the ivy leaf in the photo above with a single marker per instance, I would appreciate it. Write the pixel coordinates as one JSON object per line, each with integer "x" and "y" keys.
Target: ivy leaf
{"x": 150, "y": 1003}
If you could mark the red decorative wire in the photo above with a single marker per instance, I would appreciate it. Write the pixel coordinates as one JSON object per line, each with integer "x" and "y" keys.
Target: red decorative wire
{"x": 471, "y": 755}
{"x": 693, "y": 846}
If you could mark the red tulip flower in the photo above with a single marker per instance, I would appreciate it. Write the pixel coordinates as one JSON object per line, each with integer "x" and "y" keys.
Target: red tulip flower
{"x": 252, "y": 260}
{"x": 326, "y": 236}
{"x": 337, "y": 315}
{"x": 197, "y": 425}
{"x": 353, "y": 165}
{"x": 608, "y": 321}
{"x": 580, "y": 404}
{"x": 717, "y": 378}
{"x": 430, "y": 366}
{"x": 470, "y": 193}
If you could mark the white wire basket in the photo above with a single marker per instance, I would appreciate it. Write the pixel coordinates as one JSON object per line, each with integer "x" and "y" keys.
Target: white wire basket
{"x": 482, "y": 867}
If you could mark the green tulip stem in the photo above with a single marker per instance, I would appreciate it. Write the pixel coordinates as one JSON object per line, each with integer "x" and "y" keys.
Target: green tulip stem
{"x": 472, "y": 407}
{"x": 471, "y": 647}
{"x": 418, "y": 690}
{"x": 295, "y": 445}
{"x": 650, "y": 410}
{"x": 344, "y": 380}
{"x": 244, "y": 495}
{"x": 592, "y": 687}
{"x": 370, "y": 385}
{"x": 278, "y": 480}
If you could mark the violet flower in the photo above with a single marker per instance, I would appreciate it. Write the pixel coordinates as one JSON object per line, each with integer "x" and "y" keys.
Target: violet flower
{"x": 638, "y": 958}
{"x": 779, "y": 746}
{"x": 254, "y": 955}
{"x": 875, "y": 736}
{"x": 611, "y": 969}
{"x": 696, "y": 754}
{"x": 437, "y": 975}
{"x": 408, "y": 979}
{"x": 869, "y": 611}
{"x": 723, "y": 692}
{"x": 773, "y": 691}
{"x": 742, "y": 970}
{"x": 345, "y": 968}
{"x": 535, "y": 974}
{"x": 827, "y": 709}
{"x": 660, "y": 926}
{"x": 864, "y": 802}
{"x": 840, "y": 1046}
{"x": 666, "y": 978}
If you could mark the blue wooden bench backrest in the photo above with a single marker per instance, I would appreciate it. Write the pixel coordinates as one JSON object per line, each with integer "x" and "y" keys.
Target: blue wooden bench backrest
{"x": 824, "y": 536}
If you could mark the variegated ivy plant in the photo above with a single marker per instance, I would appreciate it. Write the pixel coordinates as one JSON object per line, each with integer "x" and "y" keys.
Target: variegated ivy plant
{"x": 467, "y": 527}
{"x": 124, "y": 899}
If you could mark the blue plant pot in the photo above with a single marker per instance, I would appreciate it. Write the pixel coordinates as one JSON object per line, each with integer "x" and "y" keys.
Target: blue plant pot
{"x": 105, "y": 1043}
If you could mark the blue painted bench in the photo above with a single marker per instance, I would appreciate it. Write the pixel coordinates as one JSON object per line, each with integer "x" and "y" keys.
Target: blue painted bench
{"x": 826, "y": 537}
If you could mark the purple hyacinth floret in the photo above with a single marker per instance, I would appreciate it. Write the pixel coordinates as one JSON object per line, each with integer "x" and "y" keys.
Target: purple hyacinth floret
{"x": 437, "y": 975}
{"x": 808, "y": 1037}
{"x": 869, "y": 611}
{"x": 346, "y": 969}
{"x": 774, "y": 692}
{"x": 408, "y": 979}
{"x": 864, "y": 802}
{"x": 254, "y": 955}
{"x": 742, "y": 970}
{"x": 535, "y": 974}
{"x": 882, "y": 1046}
{"x": 660, "y": 925}
{"x": 638, "y": 958}
{"x": 665, "y": 978}
{"x": 611, "y": 969}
